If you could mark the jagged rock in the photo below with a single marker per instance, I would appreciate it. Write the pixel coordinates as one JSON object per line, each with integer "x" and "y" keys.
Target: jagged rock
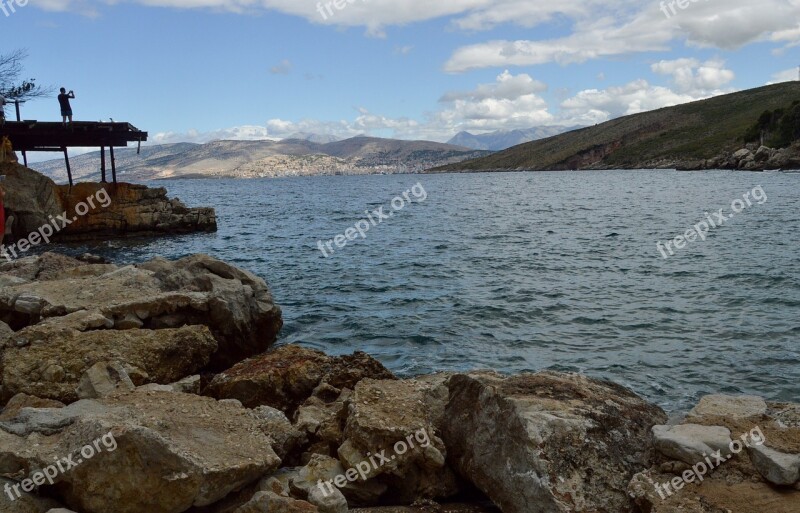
{"x": 190, "y": 385}
{"x": 20, "y": 401}
{"x": 743, "y": 154}
{"x": 102, "y": 379}
{"x": 286, "y": 437}
{"x": 776, "y": 467}
{"x": 763, "y": 154}
{"x": 184, "y": 450}
{"x": 285, "y": 377}
{"x": 396, "y": 420}
{"x": 730, "y": 483}
{"x": 322, "y": 472}
{"x": 52, "y": 365}
{"x": 129, "y": 321}
{"x": 691, "y": 443}
{"x": 328, "y": 502}
{"x": 268, "y": 502}
{"x": 563, "y": 442}
{"x": 322, "y": 418}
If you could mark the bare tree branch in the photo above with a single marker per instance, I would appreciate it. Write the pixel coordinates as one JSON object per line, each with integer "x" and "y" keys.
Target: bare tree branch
{"x": 11, "y": 86}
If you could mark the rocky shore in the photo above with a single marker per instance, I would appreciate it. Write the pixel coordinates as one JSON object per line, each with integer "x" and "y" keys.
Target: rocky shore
{"x": 753, "y": 157}
{"x": 155, "y": 388}
{"x": 120, "y": 210}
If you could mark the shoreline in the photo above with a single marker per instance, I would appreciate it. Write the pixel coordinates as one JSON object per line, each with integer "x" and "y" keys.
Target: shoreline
{"x": 156, "y": 353}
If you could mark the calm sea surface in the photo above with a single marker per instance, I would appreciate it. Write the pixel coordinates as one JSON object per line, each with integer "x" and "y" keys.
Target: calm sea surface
{"x": 526, "y": 271}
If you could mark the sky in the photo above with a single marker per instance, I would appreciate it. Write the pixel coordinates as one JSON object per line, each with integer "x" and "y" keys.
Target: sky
{"x": 199, "y": 70}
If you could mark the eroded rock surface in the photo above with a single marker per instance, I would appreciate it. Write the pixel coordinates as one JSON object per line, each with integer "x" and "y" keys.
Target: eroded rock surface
{"x": 548, "y": 442}
{"x": 285, "y": 377}
{"x": 161, "y": 452}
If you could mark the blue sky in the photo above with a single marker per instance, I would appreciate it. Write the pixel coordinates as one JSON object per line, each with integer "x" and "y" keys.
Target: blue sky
{"x": 196, "y": 70}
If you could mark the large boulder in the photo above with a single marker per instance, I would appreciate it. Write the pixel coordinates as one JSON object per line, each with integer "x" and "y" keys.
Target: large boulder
{"x": 237, "y": 306}
{"x": 392, "y": 434}
{"x": 285, "y": 377}
{"x": 31, "y": 197}
{"x": 548, "y": 442}
{"x": 160, "y": 452}
{"x": 52, "y": 363}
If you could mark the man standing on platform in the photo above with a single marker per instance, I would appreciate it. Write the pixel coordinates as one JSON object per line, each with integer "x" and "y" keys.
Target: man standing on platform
{"x": 66, "y": 108}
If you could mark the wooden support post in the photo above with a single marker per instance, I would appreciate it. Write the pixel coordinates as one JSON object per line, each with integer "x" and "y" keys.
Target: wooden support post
{"x": 66, "y": 161}
{"x": 113, "y": 166}
{"x": 25, "y": 158}
{"x": 16, "y": 104}
{"x": 103, "y": 164}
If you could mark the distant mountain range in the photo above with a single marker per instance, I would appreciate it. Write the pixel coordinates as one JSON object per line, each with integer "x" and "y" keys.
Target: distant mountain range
{"x": 254, "y": 159}
{"x": 503, "y": 139}
{"x": 687, "y": 136}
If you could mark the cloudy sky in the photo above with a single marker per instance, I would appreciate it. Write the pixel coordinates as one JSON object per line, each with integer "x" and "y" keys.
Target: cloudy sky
{"x": 196, "y": 70}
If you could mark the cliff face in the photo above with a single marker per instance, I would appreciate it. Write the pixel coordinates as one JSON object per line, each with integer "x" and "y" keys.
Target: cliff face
{"x": 95, "y": 209}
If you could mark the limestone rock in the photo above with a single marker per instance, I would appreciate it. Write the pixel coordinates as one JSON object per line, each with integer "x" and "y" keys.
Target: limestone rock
{"x": 20, "y": 401}
{"x": 322, "y": 418}
{"x": 184, "y": 450}
{"x": 328, "y": 502}
{"x": 236, "y": 305}
{"x": 52, "y": 365}
{"x": 691, "y": 443}
{"x": 286, "y": 437}
{"x": 269, "y": 502}
{"x": 102, "y": 379}
{"x": 285, "y": 377}
{"x": 776, "y": 467}
{"x": 395, "y": 420}
{"x": 727, "y": 406}
{"x": 561, "y": 442}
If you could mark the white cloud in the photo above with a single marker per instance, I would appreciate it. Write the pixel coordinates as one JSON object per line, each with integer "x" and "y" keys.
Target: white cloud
{"x": 596, "y": 106}
{"x": 789, "y": 75}
{"x": 697, "y": 79}
{"x": 239, "y": 133}
{"x": 617, "y": 27}
{"x": 283, "y": 68}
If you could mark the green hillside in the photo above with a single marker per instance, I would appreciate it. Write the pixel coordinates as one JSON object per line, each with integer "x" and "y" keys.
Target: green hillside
{"x": 664, "y": 138}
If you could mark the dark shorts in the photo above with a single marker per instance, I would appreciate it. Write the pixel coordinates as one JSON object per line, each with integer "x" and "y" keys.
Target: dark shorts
{"x": 66, "y": 112}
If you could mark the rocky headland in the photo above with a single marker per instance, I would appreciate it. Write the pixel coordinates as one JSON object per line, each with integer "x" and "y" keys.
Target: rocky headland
{"x": 155, "y": 388}
{"x": 95, "y": 210}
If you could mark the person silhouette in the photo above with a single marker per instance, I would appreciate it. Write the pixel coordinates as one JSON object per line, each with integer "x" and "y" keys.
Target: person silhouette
{"x": 66, "y": 108}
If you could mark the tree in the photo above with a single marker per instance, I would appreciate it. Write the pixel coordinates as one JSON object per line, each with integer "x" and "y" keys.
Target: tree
{"x": 14, "y": 88}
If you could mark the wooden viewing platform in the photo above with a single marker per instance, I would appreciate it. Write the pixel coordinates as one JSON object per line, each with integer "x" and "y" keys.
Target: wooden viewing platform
{"x": 28, "y": 136}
